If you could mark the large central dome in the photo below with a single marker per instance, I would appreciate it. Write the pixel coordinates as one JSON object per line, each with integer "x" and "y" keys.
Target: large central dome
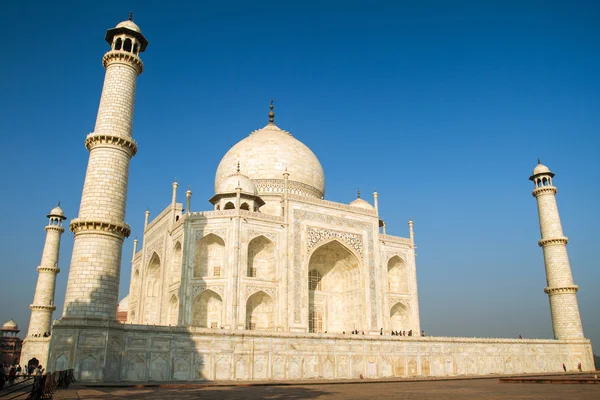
{"x": 264, "y": 156}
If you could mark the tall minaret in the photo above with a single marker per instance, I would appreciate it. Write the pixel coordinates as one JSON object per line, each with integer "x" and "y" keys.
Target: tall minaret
{"x": 561, "y": 290}
{"x": 43, "y": 299}
{"x": 40, "y": 323}
{"x": 100, "y": 228}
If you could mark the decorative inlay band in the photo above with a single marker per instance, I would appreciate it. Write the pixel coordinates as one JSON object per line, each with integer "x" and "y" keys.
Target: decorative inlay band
{"x": 553, "y": 241}
{"x": 34, "y": 307}
{"x": 55, "y": 228}
{"x": 253, "y": 233}
{"x": 197, "y": 289}
{"x": 250, "y": 290}
{"x": 560, "y": 290}
{"x": 222, "y": 233}
{"x": 395, "y": 239}
{"x": 332, "y": 204}
{"x": 78, "y": 225}
{"x": 315, "y": 236}
{"x": 48, "y": 269}
{"x": 123, "y": 56}
{"x": 275, "y": 186}
{"x": 544, "y": 189}
{"x": 92, "y": 140}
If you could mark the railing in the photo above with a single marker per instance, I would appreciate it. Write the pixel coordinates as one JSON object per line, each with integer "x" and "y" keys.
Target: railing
{"x": 42, "y": 386}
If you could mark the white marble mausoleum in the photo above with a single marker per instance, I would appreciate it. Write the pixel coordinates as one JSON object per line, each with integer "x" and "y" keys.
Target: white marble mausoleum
{"x": 272, "y": 281}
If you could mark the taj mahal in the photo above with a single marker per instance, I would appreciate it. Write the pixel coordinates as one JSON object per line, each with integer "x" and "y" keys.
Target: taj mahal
{"x": 273, "y": 282}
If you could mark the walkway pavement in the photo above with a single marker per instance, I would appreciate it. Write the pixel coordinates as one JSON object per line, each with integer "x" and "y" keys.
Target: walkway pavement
{"x": 480, "y": 388}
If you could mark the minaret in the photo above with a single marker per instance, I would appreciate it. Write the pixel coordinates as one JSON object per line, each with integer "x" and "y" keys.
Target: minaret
{"x": 43, "y": 298}
{"x": 561, "y": 290}
{"x": 37, "y": 340}
{"x": 100, "y": 228}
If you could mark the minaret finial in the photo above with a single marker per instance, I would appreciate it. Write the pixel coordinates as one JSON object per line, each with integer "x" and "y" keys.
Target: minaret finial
{"x": 271, "y": 113}
{"x": 358, "y": 194}
{"x": 539, "y": 162}
{"x": 131, "y": 15}
{"x": 59, "y": 203}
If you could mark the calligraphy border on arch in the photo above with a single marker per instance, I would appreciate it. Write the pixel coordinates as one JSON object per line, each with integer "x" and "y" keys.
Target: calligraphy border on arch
{"x": 299, "y": 216}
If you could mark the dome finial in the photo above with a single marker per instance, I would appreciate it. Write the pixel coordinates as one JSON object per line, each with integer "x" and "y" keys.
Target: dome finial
{"x": 131, "y": 15}
{"x": 271, "y": 113}
{"x": 238, "y": 167}
{"x": 539, "y": 162}
{"x": 358, "y": 194}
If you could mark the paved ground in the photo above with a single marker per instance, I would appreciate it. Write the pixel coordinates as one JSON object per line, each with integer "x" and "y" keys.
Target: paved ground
{"x": 455, "y": 389}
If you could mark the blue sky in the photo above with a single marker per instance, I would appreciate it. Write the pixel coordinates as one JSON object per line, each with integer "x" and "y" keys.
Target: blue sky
{"x": 444, "y": 108}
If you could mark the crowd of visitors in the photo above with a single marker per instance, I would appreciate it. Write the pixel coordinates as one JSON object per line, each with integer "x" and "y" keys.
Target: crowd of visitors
{"x": 8, "y": 373}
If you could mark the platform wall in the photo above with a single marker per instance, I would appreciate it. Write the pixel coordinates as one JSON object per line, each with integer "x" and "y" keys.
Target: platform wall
{"x": 116, "y": 352}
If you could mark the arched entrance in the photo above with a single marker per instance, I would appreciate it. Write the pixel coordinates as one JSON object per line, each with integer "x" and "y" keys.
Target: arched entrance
{"x": 152, "y": 291}
{"x": 399, "y": 318}
{"x": 335, "y": 300}
{"x": 207, "y": 309}
{"x": 397, "y": 275}
{"x": 259, "y": 312}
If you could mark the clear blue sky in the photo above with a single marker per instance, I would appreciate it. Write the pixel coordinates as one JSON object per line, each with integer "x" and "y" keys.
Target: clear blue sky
{"x": 444, "y": 108}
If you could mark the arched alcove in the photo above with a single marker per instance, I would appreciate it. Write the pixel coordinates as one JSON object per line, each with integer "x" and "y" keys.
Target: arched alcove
{"x": 176, "y": 263}
{"x": 152, "y": 290}
{"x": 334, "y": 288}
{"x": 127, "y": 45}
{"x": 259, "y": 312}
{"x": 229, "y": 206}
{"x": 397, "y": 275}
{"x": 209, "y": 256}
{"x": 207, "y": 309}
{"x": 173, "y": 311}
{"x": 399, "y": 320}
{"x": 261, "y": 258}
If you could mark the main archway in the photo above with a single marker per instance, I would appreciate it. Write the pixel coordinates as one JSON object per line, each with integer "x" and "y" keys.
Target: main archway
{"x": 335, "y": 300}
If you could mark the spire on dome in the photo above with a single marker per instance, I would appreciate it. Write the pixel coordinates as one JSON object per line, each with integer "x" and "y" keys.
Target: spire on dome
{"x": 539, "y": 162}
{"x": 238, "y": 167}
{"x": 131, "y": 16}
{"x": 358, "y": 194}
{"x": 271, "y": 113}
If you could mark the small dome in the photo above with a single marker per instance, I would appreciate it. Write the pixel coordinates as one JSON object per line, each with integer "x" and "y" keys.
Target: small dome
{"x": 232, "y": 182}
{"x": 362, "y": 204}
{"x": 129, "y": 25}
{"x": 10, "y": 325}
{"x": 57, "y": 212}
{"x": 540, "y": 169}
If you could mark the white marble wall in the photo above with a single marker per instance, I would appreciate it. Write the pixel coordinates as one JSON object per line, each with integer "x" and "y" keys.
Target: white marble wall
{"x": 141, "y": 353}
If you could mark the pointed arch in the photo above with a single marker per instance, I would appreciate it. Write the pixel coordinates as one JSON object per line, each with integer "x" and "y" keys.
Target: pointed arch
{"x": 245, "y": 206}
{"x": 207, "y": 310}
{"x": 176, "y": 262}
{"x": 209, "y": 257}
{"x": 127, "y": 45}
{"x": 335, "y": 293}
{"x": 399, "y": 319}
{"x": 118, "y": 44}
{"x": 261, "y": 258}
{"x": 229, "y": 206}
{"x": 260, "y": 312}
{"x": 397, "y": 273}
{"x": 152, "y": 289}
{"x": 173, "y": 311}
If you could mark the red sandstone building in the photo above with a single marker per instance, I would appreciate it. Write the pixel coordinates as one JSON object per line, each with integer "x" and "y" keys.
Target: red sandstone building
{"x": 10, "y": 343}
